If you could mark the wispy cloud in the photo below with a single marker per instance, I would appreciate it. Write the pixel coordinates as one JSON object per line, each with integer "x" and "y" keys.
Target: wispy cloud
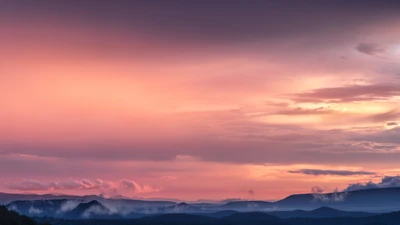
{"x": 392, "y": 124}
{"x": 373, "y": 49}
{"x": 331, "y": 172}
{"x": 386, "y": 116}
{"x": 352, "y": 93}
{"x": 305, "y": 111}
{"x": 390, "y": 136}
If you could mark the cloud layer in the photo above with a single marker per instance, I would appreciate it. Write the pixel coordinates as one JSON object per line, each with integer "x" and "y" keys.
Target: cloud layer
{"x": 183, "y": 96}
{"x": 386, "y": 182}
{"x": 331, "y": 172}
{"x": 102, "y": 186}
{"x": 354, "y": 93}
{"x": 370, "y": 49}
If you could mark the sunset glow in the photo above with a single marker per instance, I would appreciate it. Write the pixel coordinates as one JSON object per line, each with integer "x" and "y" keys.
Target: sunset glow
{"x": 156, "y": 101}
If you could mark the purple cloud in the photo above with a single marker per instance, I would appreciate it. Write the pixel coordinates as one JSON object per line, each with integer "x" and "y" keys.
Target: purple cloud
{"x": 351, "y": 93}
{"x": 83, "y": 184}
{"x": 331, "y": 172}
{"x": 370, "y": 48}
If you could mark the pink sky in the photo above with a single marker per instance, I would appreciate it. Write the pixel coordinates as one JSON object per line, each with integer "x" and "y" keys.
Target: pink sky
{"x": 118, "y": 100}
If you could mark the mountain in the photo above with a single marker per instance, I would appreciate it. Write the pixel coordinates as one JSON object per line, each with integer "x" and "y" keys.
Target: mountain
{"x": 57, "y": 207}
{"x": 40, "y": 208}
{"x": 330, "y": 212}
{"x": 298, "y": 201}
{"x": 13, "y": 218}
{"x": 6, "y": 198}
{"x": 382, "y": 219}
{"x": 93, "y": 209}
{"x": 247, "y": 205}
{"x": 253, "y": 218}
{"x": 322, "y": 212}
{"x": 118, "y": 197}
{"x": 135, "y": 207}
{"x": 250, "y": 216}
{"x": 204, "y": 205}
{"x": 137, "y": 203}
{"x": 244, "y": 218}
{"x": 182, "y": 208}
{"x": 220, "y": 214}
{"x": 370, "y": 200}
{"x": 299, "y": 205}
{"x": 175, "y": 219}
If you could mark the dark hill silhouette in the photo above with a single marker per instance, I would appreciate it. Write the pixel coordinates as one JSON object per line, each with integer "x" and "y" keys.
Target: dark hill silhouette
{"x": 322, "y": 212}
{"x": 296, "y": 201}
{"x": 13, "y": 218}
{"x": 384, "y": 219}
{"x": 247, "y": 205}
{"x": 253, "y": 218}
{"x": 245, "y": 218}
{"x": 6, "y": 198}
{"x": 370, "y": 200}
{"x": 181, "y": 208}
{"x": 176, "y": 219}
{"x": 93, "y": 209}
{"x": 139, "y": 203}
{"x": 250, "y": 216}
{"x": 220, "y": 214}
{"x": 37, "y": 207}
{"x": 330, "y": 212}
{"x": 373, "y": 200}
{"x": 355, "y": 204}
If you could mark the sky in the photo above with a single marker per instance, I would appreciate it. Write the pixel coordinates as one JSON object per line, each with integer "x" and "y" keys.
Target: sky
{"x": 198, "y": 99}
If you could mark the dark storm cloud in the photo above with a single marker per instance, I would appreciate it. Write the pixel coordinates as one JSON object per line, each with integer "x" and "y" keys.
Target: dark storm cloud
{"x": 331, "y": 172}
{"x": 209, "y": 21}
